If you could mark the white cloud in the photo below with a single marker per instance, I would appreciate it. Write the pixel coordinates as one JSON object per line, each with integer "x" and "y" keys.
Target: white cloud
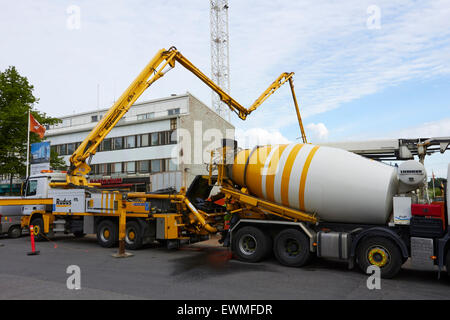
{"x": 259, "y": 136}
{"x": 440, "y": 128}
{"x": 318, "y": 132}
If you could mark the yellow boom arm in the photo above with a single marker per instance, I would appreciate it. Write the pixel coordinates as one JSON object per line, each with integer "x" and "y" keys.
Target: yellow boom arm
{"x": 162, "y": 62}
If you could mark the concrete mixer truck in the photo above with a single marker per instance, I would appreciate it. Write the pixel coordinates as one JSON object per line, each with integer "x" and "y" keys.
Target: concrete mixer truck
{"x": 297, "y": 201}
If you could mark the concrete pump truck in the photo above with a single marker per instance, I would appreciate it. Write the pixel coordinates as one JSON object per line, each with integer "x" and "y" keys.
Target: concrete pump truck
{"x": 67, "y": 202}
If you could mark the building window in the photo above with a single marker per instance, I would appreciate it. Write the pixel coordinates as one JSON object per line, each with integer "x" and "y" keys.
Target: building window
{"x": 163, "y": 137}
{"x": 130, "y": 142}
{"x": 144, "y": 116}
{"x": 172, "y": 112}
{"x": 63, "y": 149}
{"x": 66, "y": 123}
{"x": 172, "y": 165}
{"x": 70, "y": 148}
{"x": 173, "y": 136}
{"x": 130, "y": 167}
{"x": 118, "y": 143}
{"x": 116, "y": 167}
{"x": 107, "y": 145}
{"x": 173, "y": 124}
{"x": 94, "y": 118}
{"x": 154, "y": 138}
{"x": 142, "y": 140}
{"x": 143, "y": 166}
{"x": 155, "y": 165}
{"x": 104, "y": 169}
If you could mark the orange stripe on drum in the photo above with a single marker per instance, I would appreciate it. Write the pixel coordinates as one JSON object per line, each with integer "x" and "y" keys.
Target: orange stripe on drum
{"x": 272, "y": 171}
{"x": 301, "y": 192}
{"x": 287, "y": 174}
{"x": 265, "y": 170}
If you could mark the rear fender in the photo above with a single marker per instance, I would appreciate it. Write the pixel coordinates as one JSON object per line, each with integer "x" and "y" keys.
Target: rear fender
{"x": 380, "y": 232}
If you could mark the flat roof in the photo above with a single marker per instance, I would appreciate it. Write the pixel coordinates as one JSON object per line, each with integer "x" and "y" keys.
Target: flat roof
{"x": 178, "y": 96}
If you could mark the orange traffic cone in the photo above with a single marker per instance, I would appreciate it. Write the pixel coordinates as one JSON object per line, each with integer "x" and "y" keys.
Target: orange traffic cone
{"x": 33, "y": 248}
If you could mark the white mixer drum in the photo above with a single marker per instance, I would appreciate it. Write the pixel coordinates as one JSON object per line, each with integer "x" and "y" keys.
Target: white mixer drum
{"x": 338, "y": 185}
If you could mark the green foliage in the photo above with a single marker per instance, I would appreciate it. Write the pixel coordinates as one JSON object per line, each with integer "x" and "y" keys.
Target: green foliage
{"x": 57, "y": 162}
{"x": 437, "y": 182}
{"x": 16, "y": 99}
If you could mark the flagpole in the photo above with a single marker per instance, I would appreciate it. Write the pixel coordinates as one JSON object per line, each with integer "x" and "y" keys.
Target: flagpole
{"x": 28, "y": 144}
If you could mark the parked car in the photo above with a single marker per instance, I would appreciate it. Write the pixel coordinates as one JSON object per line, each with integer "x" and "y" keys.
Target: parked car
{"x": 10, "y": 219}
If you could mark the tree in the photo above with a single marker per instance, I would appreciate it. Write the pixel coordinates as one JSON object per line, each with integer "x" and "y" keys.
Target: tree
{"x": 57, "y": 162}
{"x": 16, "y": 99}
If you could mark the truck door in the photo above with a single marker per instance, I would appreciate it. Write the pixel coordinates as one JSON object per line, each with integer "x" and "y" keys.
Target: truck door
{"x": 32, "y": 191}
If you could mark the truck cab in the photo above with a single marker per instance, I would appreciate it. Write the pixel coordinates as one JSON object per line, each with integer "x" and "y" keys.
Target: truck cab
{"x": 37, "y": 187}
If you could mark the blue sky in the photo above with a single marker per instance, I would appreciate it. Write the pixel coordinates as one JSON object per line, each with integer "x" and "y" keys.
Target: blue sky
{"x": 359, "y": 75}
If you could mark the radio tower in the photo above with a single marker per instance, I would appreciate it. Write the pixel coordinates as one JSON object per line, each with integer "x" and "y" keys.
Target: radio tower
{"x": 220, "y": 64}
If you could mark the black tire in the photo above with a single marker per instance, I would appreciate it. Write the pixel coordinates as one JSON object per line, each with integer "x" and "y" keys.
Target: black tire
{"x": 133, "y": 235}
{"x": 250, "y": 244}
{"x": 15, "y": 232}
{"x": 79, "y": 234}
{"x": 381, "y": 252}
{"x": 38, "y": 227}
{"x": 291, "y": 248}
{"x": 107, "y": 234}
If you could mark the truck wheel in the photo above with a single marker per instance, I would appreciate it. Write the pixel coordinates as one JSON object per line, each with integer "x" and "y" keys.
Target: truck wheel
{"x": 14, "y": 232}
{"x": 133, "y": 236}
{"x": 38, "y": 227}
{"x": 250, "y": 244}
{"x": 380, "y": 252}
{"x": 107, "y": 234}
{"x": 291, "y": 248}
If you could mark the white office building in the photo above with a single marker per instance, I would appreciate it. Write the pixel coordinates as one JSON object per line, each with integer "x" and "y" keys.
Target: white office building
{"x": 157, "y": 144}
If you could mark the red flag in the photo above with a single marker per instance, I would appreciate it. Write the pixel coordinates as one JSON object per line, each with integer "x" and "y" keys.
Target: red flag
{"x": 36, "y": 127}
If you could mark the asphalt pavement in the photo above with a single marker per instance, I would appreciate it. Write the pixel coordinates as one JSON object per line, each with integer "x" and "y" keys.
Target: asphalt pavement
{"x": 198, "y": 271}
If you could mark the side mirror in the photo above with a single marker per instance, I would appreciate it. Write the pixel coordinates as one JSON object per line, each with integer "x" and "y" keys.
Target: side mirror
{"x": 21, "y": 189}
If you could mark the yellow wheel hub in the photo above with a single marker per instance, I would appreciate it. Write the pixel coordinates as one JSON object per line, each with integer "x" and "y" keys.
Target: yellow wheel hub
{"x": 36, "y": 230}
{"x": 378, "y": 257}
{"x": 131, "y": 235}
{"x": 106, "y": 234}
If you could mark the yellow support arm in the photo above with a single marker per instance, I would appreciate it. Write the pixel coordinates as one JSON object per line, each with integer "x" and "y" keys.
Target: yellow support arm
{"x": 162, "y": 62}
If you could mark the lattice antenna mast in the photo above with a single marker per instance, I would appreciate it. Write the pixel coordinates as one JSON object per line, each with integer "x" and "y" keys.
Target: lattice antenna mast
{"x": 220, "y": 64}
